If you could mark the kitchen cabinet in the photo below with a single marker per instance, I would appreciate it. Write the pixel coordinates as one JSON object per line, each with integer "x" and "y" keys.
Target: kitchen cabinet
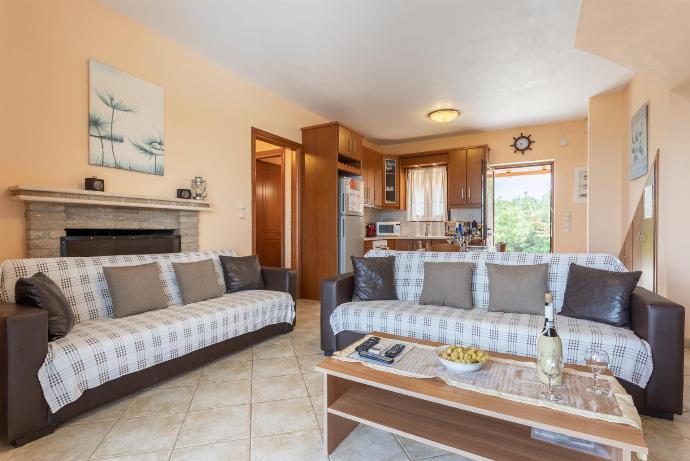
{"x": 349, "y": 143}
{"x": 371, "y": 176}
{"x": 466, "y": 171}
{"x": 330, "y": 151}
{"x": 391, "y": 182}
{"x": 457, "y": 177}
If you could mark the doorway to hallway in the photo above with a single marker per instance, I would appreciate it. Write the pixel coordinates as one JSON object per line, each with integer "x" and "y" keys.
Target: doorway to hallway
{"x": 275, "y": 199}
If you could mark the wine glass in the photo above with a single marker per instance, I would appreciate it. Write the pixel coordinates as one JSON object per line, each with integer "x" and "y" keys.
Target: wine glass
{"x": 598, "y": 361}
{"x": 551, "y": 365}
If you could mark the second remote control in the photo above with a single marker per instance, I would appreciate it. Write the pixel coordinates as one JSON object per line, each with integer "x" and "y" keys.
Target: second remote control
{"x": 368, "y": 344}
{"x": 395, "y": 350}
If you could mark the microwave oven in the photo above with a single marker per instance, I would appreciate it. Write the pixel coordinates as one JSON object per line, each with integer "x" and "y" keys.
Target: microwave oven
{"x": 388, "y": 229}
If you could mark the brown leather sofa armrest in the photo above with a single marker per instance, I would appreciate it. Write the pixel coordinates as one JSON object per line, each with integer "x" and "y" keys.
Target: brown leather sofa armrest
{"x": 24, "y": 339}
{"x": 280, "y": 279}
{"x": 661, "y": 322}
{"x": 334, "y": 292}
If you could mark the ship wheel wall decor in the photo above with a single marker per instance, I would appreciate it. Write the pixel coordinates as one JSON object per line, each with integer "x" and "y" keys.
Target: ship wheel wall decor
{"x": 522, "y": 143}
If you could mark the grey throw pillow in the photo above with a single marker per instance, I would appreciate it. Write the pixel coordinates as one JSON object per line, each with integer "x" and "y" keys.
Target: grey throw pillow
{"x": 41, "y": 291}
{"x": 599, "y": 295}
{"x": 517, "y": 289}
{"x": 242, "y": 273}
{"x": 197, "y": 281}
{"x": 374, "y": 278}
{"x": 135, "y": 289}
{"x": 448, "y": 284}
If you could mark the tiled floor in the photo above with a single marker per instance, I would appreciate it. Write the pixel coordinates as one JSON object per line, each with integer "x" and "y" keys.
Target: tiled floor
{"x": 263, "y": 403}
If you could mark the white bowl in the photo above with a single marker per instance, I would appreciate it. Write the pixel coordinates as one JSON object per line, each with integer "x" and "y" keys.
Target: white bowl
{"x": 457, "y": 367}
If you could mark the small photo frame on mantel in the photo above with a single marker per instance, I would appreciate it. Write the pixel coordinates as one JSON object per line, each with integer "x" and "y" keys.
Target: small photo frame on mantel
{"x": 638, "y": 143}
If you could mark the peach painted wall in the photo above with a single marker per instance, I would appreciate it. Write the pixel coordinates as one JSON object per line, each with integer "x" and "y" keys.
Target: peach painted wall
{"x": 668, "y": 119}
{"x": 44, "y": 50}
{"x": 604, "y": 205}
{"x": 546, "y": 147}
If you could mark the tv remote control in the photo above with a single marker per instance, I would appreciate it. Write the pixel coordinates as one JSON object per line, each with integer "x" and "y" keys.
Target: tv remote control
{"x": 394, "y": 351}
{"x": 368, "y": 344}
{"x": 378, "y": 358}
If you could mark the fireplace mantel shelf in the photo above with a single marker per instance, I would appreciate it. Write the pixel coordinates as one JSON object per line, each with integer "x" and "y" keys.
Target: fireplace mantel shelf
{"x": 87, "y": 197}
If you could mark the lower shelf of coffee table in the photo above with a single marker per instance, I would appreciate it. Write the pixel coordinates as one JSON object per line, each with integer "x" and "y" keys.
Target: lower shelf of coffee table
{"x": 462, "y": 432}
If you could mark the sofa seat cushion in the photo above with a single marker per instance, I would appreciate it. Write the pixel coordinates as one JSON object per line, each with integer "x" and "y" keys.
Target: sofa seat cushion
{"x": 97, "y": 351}
{"x": 631, "y": 357}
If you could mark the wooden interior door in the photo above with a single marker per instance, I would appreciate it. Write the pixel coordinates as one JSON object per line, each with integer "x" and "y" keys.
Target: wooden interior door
{"x": 269, "y": 213}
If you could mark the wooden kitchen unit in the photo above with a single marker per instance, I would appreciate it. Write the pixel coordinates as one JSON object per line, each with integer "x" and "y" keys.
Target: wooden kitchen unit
{"x": 404, "y": 244}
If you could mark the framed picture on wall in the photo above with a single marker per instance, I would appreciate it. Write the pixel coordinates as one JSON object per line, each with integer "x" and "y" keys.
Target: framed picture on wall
{"x": 638, "y": 143}
{"x": 125, "y": 121}
{"x": 580, "y": 184}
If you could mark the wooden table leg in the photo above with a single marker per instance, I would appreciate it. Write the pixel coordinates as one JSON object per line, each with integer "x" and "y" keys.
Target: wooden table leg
{"x": 336, "y": 428}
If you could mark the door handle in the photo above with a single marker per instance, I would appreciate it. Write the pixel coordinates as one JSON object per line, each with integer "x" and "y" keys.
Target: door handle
{"x": 469, "y": 194}
{"x": 462, "y": 192}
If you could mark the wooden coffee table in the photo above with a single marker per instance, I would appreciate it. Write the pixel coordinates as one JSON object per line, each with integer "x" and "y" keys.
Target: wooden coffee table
{"x": 465, "y": 422}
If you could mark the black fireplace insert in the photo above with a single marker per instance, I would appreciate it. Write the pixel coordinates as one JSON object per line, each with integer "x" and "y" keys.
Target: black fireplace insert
{"x": 107, "y": 242}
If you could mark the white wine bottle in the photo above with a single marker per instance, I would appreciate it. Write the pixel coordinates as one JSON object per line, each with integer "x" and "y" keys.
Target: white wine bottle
{"x": 549, "y": 342}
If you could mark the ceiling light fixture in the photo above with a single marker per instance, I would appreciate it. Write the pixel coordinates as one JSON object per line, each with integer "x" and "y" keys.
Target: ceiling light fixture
{"x": 443, "y": 115}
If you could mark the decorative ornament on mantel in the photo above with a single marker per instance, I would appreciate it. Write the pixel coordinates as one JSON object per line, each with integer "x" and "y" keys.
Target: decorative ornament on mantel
{"x": 522, "y": 143}
{"x": 198, "y": 188}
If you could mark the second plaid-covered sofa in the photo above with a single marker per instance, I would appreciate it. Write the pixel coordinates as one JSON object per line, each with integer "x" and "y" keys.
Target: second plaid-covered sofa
{"x": 104, "y": 358}
{"x": 647, "y": 358}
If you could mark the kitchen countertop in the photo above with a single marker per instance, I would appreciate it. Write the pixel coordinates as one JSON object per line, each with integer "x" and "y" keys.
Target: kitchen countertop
{"x": 407, "y": 237}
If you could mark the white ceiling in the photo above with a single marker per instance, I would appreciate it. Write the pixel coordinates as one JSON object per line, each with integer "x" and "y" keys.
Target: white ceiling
{"x": 380, "y": 65}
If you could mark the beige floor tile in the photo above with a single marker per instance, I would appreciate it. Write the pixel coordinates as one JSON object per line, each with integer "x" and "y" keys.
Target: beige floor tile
{"x": 274, "y": 350}
{"x": 318, "y": 403}
{"x": 222, "y": 394}
{"x": 308, "y": 362}
{"x": 283, "y": 416}
{"x": 275, "y": 339}
{"x": 226, "y": 371}
{"x": 297, "y": 446}
{"x": 235, "y": 450}
{"x": 366, "y": 442}
{"x": 136, "y": 435}
{"x": 278, "y": 388}
{"x": 307, "y": 344}
{"x": 680, "y": 424}
{"x": 664, "y": 444}
{"x": 215, "y": 425}
{"x": 107, "y": 412}
{"x": 275, "y": 367}
{"x": 151, "y": 456}
{"x": 314, "y": 382}
{"x": 68, "y": 443}
{"x": 416, "y": 450}
{"x": 163, "y": 400}
{"x": 687, "y": 362}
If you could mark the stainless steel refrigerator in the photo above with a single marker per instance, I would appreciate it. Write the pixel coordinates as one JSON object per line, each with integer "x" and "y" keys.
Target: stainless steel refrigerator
{"x": 351, "y": 228}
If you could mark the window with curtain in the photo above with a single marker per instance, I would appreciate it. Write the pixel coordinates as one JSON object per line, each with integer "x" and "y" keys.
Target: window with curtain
{"x": 426, "y": 194}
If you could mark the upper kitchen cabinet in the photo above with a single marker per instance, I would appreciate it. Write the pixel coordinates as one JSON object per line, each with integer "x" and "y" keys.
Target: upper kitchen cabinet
{"x": 466, "y": 170}
{"x": 349, "y": 143}
{"x": 371, "y": 176}
{"x": 457, "y": 178}
{"x": 392, "y": 187}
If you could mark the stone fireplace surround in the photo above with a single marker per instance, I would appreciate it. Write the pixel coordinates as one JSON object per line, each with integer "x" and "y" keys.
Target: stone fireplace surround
{"x": 50, "y": 211}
